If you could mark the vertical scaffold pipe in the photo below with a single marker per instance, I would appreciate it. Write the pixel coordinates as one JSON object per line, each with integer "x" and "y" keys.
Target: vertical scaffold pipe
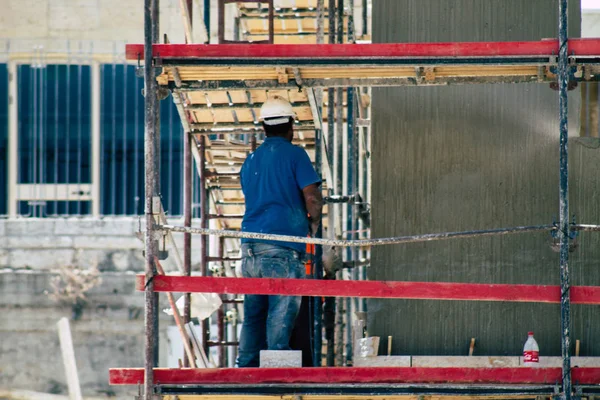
{"x": 317, "y": 302}
{"x": 565, "y": 285}
{"x": 150, "y": 117}
{"x": 339, "y": 178}
{"x": 204, "y": 210}
{"x": 206, "y": 16}
{"x": 329, "y": 307}
{"x": 188, "y": 142}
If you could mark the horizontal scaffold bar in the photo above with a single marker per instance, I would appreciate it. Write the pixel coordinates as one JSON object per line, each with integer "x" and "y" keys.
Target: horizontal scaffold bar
{"x": 371, "y": 289}
{"x": 427, "y": 237}
{"x": 333, "y": 375}
{"x": 577, "y": 47}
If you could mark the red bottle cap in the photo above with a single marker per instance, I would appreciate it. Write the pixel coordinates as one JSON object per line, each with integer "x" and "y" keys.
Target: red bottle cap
{"x": 530, "y": 333}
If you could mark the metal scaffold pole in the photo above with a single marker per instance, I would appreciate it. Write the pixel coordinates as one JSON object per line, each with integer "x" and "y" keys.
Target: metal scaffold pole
{"x": 317, "y": 302}
{"x": 204, "y": 211}
{"x": 151, "y": 111}
{"x": 339, "y": 168}
{"x": 563, "y": 232}
{"x": 188, "y": 142}
{"x": 329, "y": 307}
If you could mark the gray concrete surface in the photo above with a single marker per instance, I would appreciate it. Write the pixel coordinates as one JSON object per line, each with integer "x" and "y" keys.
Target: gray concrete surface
{"x": 476, "y": 157}
{"x": 110, "y": 244}
{"x": 107, "y": 332}
{"x": 107, "y": 328}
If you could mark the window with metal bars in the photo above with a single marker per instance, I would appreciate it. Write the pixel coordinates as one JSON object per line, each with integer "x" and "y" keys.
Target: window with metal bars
{"x": 54, "y": 137}
{"x": 122, "y": 144}
{"x": 54, "y": 153}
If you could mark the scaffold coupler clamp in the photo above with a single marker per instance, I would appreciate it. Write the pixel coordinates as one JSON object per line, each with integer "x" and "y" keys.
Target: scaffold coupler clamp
{"x": 572, "y": 234}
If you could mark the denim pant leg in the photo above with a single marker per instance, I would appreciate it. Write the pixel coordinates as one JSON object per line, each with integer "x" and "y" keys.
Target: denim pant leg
{"x": 283, "y": 310}
{"x": 253, "y": 338}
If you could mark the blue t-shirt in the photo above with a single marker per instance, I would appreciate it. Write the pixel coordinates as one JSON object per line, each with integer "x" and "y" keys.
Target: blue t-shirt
{"x": 272, "y": 181}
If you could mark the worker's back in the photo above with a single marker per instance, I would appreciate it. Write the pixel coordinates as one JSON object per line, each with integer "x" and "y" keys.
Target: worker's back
{"x": 272, "y": 180}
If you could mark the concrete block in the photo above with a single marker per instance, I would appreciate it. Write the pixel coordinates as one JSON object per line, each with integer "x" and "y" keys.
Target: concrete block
{"x": 3, "y": 223}
{"x": 24, "y": 288}
{"x": 382, "y": 361}
{"x": 112, "y": 242}
{"x": 30, "y": 227}
{"x": 40, "y": 259}
{"x": 280, "y": 358}
{"x": 37, "y": 242}
{"x": 464, "y": 361}
{"x": 585, "y": 362}
{"x": 87, "y": 259}
{"x": 107, "y": 226}
{"x": 109, "y": 260}
{"x": 3, "y": 258}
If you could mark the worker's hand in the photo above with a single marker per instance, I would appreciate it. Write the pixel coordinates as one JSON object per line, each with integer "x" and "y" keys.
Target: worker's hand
{"x": 332, "y": 261}
{"x": 314, "y": 227}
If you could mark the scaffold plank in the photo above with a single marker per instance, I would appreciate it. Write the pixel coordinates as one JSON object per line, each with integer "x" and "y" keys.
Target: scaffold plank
{"x": 357, "y": 375}
{"x": 577, "y": 47}
{"x": 372, "y": 289}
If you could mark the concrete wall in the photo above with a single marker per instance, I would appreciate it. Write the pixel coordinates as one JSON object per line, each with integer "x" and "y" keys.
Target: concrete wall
{"x": 107, "y": 332}
{"x": 110, "y": 244}
{"x": 93, "y": 20}
{"x": 475, "y": 157}
{"x": 108, "y": 328}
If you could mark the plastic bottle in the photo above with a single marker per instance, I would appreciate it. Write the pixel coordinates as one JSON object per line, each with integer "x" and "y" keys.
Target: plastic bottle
{"x": 531, "y": 352}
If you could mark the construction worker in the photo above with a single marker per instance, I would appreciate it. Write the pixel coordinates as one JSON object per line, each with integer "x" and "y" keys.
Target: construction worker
{"x": 283, "y": 196}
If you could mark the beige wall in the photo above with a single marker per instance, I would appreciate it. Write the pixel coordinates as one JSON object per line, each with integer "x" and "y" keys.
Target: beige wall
{"x": 99, "y": 21}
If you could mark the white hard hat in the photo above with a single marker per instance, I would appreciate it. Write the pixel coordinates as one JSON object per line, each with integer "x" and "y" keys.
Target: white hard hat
{"x": 276, "y": 111}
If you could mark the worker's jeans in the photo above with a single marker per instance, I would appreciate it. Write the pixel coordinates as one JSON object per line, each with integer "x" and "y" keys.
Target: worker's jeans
{"x": 268, "y": 320}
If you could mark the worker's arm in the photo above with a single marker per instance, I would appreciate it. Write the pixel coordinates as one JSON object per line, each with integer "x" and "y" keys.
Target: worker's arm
{"x": 314, "y": 205}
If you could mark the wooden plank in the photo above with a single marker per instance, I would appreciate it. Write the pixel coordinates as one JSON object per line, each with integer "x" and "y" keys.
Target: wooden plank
{"x": 579, "y": 47}
{"x": 373, "y": 289}
{"x": 356, "y": 375}
{"x": 68, "y": 356}
{"x": 194, "y": 73}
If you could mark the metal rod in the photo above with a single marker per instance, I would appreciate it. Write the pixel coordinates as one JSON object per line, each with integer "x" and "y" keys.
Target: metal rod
{"x": 221, "y": 314}
{"x": 233, "y": 301}
{"x": 271, "y": 22}
{"x": 428, "y": 237}
{"x": 584, "y": 227}
{"x": 339, "y": 178}
{"x": 218, "y": 259}
{"x": 317, "y": 273}
{"x": 150, "y": 109}
{"x": 365, "y": 17}
{"x": 565, "y": 284}
{"x": 221, "y": 21}
{"x": 222, "y": 343}
{"x": 207, "y": 19}
{"x": 187, "y": 220}
{"x": 329, "y": 306}
{"x": 157, "y": 155}
{"x": 320, "y": 21}
{"x": 351, "y": 219}
{"x": 331, "y": 20}
{"x": 204, "y": 209}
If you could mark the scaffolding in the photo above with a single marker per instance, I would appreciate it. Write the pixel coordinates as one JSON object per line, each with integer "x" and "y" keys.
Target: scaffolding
{"x": 251, "y": 70}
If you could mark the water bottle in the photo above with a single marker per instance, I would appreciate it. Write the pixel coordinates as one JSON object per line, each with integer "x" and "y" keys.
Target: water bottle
{"x": 531, "y": 352}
